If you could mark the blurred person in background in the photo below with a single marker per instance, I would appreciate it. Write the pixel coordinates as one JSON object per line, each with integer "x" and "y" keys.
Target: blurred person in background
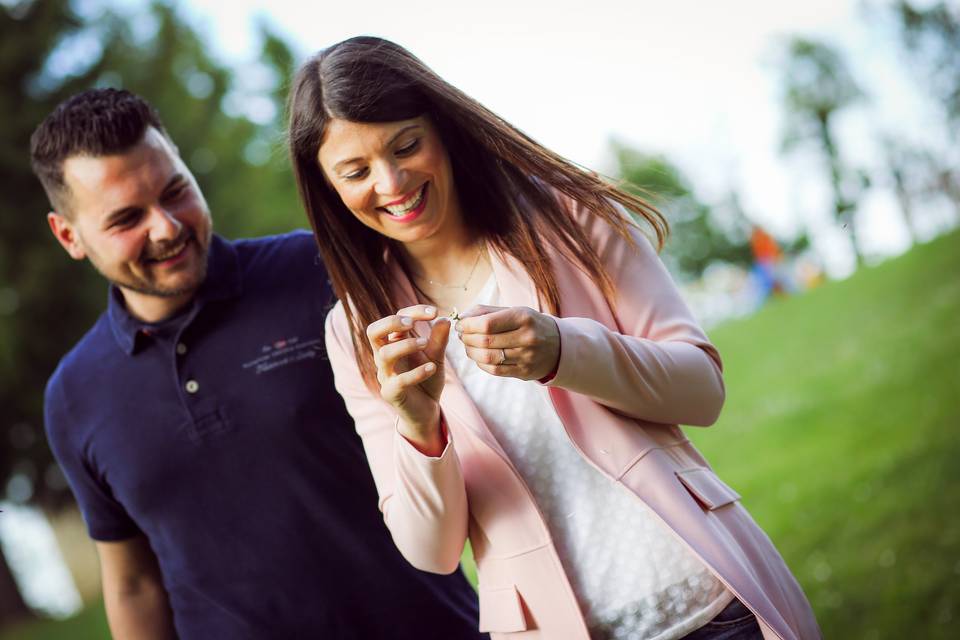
{"x": 197, "y": 423}
{"x": 768, "y": 271}
{"x": 544, "y": 428}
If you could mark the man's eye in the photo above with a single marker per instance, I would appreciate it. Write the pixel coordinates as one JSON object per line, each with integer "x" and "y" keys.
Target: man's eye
{"x": 408, "y": 148}
{"x": 125, "y": 220}
{"x": 174, "y": 193}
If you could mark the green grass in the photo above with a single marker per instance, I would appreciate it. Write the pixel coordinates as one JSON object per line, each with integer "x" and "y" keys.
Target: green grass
{"x": 842, "y": 433}
{"x": 90, "y": 624}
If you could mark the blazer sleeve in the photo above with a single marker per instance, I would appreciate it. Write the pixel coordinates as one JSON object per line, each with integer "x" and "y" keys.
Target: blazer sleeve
{"x": 657, "y": 365}
{"x": 423, "y": 499}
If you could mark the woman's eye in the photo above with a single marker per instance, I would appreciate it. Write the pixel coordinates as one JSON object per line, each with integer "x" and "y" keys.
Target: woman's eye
{"x": 408, "y": 148}
{"x": 355, "y": 175}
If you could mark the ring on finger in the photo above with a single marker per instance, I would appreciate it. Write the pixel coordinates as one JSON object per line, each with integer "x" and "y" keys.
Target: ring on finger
{"x": 503, "y": 357}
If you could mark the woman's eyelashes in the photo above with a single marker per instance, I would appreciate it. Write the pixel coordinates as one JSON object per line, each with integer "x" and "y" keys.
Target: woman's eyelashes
{"x": 356, "y": 175}
{"x": 408, "y": 148}
{"x": 402, "y": 151}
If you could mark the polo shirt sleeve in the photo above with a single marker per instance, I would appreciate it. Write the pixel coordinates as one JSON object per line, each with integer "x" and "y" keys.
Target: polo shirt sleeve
{"x": 105, "y": 517}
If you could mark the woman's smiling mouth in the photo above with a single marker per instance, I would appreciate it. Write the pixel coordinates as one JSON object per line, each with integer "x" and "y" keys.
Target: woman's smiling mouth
{"x": 410, "y": 207}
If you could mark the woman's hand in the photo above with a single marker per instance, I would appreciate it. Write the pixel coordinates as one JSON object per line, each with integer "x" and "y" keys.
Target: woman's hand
{"x": 517, "y": 342}
{"x": 410, "y": 372}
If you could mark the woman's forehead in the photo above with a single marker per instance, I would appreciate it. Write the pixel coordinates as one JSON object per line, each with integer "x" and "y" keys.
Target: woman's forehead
{"x": 345, "y": 140}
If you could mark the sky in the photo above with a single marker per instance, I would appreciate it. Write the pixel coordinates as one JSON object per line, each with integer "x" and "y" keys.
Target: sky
{"x": 694, "y": 80}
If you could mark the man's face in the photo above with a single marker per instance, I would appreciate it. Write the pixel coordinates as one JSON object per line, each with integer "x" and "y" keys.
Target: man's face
{"x": 141, "y": 220}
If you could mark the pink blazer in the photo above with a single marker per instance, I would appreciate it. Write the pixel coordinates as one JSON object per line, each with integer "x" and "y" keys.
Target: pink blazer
{"x": 628, "y": 375}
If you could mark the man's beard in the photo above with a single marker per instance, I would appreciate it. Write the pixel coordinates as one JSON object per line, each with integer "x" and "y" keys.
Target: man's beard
{"x": 145, "y": 286}
{"x": 150, "y": 289}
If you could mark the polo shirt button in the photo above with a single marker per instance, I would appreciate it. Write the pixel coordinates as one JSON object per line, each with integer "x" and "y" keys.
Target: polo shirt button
{"x": 192, "y": 386}
{"x": 181, "y": 348}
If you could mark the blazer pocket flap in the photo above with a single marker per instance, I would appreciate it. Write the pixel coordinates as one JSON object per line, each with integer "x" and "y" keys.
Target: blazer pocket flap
{"x": 707, "y": 488}
{"x": 501, "y": 610}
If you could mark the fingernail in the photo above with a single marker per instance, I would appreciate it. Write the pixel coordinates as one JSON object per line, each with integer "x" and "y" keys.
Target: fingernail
{"x": 406, "y": 321}
{"x": 429, "y": 310}
{"x": 421, "y": 341}
{"x": 430, "y": 366}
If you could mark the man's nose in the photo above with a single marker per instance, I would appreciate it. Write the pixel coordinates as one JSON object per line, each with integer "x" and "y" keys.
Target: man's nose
{"x": 163, "y": 225}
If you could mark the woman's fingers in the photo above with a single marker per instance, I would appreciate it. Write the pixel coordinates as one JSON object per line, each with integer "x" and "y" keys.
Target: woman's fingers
{"x": 488, "y": 320}
{"x": 517, "y": 342}
{"x": 388, "y": 355}
{"x": 380, "y": 332}
{"x": 395, "y": 386}
{"x": 419, "y": 312}
{"x": 517, "y": 338}
{"x": 497, "y": 357}
{"x": 437, "y": 344}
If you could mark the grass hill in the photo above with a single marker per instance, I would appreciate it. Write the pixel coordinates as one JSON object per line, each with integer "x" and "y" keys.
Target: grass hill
{"x": 842, "y": 433}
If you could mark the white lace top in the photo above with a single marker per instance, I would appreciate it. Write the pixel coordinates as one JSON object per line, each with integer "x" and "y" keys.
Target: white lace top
{"x": 633, "y": 578}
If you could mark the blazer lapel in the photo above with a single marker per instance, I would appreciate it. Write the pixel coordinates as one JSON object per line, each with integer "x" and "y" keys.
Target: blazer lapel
{"x": 516, "y": 287}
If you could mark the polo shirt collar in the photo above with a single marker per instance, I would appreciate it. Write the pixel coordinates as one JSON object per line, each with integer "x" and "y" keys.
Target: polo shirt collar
{"x": 224, "y": 280}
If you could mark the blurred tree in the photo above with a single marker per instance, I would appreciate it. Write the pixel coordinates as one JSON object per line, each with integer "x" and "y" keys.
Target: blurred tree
{"x": 932, "y": 37}
{"x": 697, "y": 236}
{"x": 906, "y": 169}
{"x": 227, "y": 130}
{"x": 817, "y": 86}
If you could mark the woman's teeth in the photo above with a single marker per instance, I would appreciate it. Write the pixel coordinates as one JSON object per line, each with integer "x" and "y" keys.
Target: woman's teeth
{"x": 408, "y": 205}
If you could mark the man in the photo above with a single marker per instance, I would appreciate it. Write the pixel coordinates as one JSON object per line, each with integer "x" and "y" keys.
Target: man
{"x": 197, "y": 423}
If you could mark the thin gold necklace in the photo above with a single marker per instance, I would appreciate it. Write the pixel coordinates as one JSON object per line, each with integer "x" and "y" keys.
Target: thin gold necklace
{"x": 465, "y": 282}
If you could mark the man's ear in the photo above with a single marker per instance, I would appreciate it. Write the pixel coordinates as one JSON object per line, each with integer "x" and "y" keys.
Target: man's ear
{"x": 66, "y": 235}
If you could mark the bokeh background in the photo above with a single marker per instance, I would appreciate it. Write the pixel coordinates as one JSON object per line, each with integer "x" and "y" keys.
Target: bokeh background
{"x": 805, "y": 153}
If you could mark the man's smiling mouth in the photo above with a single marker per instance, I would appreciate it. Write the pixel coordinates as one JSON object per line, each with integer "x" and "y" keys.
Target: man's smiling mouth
{"x": 172, "y": 252}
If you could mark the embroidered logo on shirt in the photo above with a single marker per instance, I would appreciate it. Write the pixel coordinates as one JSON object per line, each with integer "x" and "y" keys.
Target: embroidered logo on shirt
{"x": 283, "y": 352}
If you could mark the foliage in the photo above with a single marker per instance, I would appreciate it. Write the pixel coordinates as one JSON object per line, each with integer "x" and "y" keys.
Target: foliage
{"x": 697, "y": 237}
{"x": 817, "y": 85}
{"x": 932, "y": 36}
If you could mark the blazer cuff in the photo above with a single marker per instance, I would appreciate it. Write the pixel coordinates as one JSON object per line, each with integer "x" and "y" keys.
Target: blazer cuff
{"x": 411, "y": 449}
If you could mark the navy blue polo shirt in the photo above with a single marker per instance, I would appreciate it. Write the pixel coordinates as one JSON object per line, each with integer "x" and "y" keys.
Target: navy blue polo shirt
{"x": 219, "y": 436}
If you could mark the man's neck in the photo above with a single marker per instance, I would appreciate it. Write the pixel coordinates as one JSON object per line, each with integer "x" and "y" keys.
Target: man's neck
{"x": 154, "y": 309}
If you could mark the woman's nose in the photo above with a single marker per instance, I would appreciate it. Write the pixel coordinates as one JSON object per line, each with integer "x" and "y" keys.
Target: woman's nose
{"x": 390, "y": 179}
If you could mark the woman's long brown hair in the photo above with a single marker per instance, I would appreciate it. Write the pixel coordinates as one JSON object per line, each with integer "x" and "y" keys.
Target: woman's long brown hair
{"x": 507, "y": 183}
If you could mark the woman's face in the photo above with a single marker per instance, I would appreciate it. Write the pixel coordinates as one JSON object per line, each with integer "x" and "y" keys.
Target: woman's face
{"x": 395, "y": 177}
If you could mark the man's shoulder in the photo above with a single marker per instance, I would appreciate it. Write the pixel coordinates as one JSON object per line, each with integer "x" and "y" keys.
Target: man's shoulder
{"x": 282, "y": 266}
{"x": 82, "y": 365}
{"x": 294, "y": 246}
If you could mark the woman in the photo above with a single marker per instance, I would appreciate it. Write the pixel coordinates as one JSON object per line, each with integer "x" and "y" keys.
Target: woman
{"x": 544, "y": 428}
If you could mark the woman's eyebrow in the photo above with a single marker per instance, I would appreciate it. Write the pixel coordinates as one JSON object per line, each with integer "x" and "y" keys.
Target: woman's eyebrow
{"x": 392, "y": 139}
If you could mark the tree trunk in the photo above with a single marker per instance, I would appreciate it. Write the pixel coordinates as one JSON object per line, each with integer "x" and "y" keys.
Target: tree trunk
{"x": 12, "y": 607}
{"x": 905, "y": 201}
{"x": 844, "y": 209}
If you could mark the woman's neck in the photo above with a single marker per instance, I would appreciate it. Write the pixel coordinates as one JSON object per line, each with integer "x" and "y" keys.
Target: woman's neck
{"x": 449, "y": 275}
{"x": 446, "y": 259}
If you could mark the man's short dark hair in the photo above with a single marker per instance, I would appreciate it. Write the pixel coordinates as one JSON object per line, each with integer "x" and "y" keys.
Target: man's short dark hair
{"x": 95, "y": 123}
